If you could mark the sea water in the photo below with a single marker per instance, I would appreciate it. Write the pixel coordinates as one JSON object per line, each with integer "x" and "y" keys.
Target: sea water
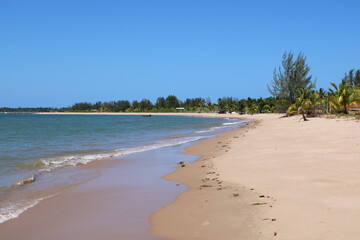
{"x": 51, "y": 148}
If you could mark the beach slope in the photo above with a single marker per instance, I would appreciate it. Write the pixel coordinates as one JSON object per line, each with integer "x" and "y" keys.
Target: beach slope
{"x": 283, "y": 179}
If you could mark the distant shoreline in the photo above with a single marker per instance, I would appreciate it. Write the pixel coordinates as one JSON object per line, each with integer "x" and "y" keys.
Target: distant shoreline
{"x": 146, "y": 113}
{"x": 125, "y": 113}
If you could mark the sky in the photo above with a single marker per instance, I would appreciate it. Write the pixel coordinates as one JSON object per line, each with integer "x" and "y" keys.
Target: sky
{"x": 56, "y": 53}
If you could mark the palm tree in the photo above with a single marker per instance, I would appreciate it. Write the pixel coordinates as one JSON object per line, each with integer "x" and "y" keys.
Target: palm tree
{"x": 341, "y": 96}
{"x": 306, "y": 98}
{"x": 304, "y": 103}
{"x": 320, "y": 98}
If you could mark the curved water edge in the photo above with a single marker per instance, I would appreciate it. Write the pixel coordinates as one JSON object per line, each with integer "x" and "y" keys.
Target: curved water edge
{"x": 13, "y": 210}
{"x": 41, "y": 167}
{"x": 52, "y": 164}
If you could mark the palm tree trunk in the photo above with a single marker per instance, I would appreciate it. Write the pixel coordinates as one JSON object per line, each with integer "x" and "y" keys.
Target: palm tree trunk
{"x": 304, "y": 117}
{"x": 345, "y": 109}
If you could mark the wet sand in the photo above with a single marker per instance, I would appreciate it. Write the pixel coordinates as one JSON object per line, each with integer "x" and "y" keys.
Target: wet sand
{"x": 114, "y": 205}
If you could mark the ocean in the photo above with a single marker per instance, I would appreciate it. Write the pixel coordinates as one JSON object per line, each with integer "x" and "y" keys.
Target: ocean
{"x": 50, "y": 149}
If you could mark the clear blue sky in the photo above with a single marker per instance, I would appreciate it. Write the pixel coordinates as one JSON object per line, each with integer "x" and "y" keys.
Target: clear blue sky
{"x": 56, "y": 53}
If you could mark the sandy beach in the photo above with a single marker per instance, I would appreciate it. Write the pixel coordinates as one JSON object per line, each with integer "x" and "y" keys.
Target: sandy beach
{"x": 280, "y": 179}
{"x": 277, "y": 178}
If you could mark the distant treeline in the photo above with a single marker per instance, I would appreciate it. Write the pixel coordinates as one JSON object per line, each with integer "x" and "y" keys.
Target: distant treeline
{"x": 172, "y": 104}
{"x": 32, "y": 110}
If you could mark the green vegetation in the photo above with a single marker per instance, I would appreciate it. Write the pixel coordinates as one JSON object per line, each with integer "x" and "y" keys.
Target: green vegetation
{"x": 293, "y": 91}
{"x": 288, "y": 81}
{"x": 173, "y": 104}
{"x": 342, "y": 96}
{"x": 294, "y": 87}
{"x": 32, "y": 110}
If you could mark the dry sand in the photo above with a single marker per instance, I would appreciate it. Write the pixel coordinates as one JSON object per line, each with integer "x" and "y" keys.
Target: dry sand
{"x": 303, "y": 178}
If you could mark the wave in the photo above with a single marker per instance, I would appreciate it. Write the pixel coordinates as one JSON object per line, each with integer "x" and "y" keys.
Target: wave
{"x": 212, "y": 129}
{"x": 232, "y": 123}
{"x": 167, "y": 143}
{"x": 226, "y": 124}
{"x": 50, "y": 164}
{"x": 13, "y": 210}
{"x": 204, "y": 131}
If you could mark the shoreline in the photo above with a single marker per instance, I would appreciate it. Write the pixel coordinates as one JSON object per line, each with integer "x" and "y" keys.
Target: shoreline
{"x": 197, "y": 209}
{"x": 48, "y": 203}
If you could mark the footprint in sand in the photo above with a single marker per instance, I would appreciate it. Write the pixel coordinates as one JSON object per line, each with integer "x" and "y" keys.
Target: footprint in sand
{"x": 206, "y": 223}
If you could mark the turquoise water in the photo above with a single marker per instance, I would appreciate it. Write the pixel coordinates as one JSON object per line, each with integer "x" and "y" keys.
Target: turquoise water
{"x": 51, "y": 148}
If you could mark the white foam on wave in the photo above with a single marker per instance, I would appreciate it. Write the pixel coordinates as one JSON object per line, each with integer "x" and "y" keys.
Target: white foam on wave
{"x": 224, "y": 125}
{"x": 232, "y": 123}
{"x": 55, "y": 163}
{"x": 13, "y": 210}
{"x": 212, "y": 129}
{"x": 168, "y": 143}
{"x": 204, "y": 131}
{"x": 52, "y": 164}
